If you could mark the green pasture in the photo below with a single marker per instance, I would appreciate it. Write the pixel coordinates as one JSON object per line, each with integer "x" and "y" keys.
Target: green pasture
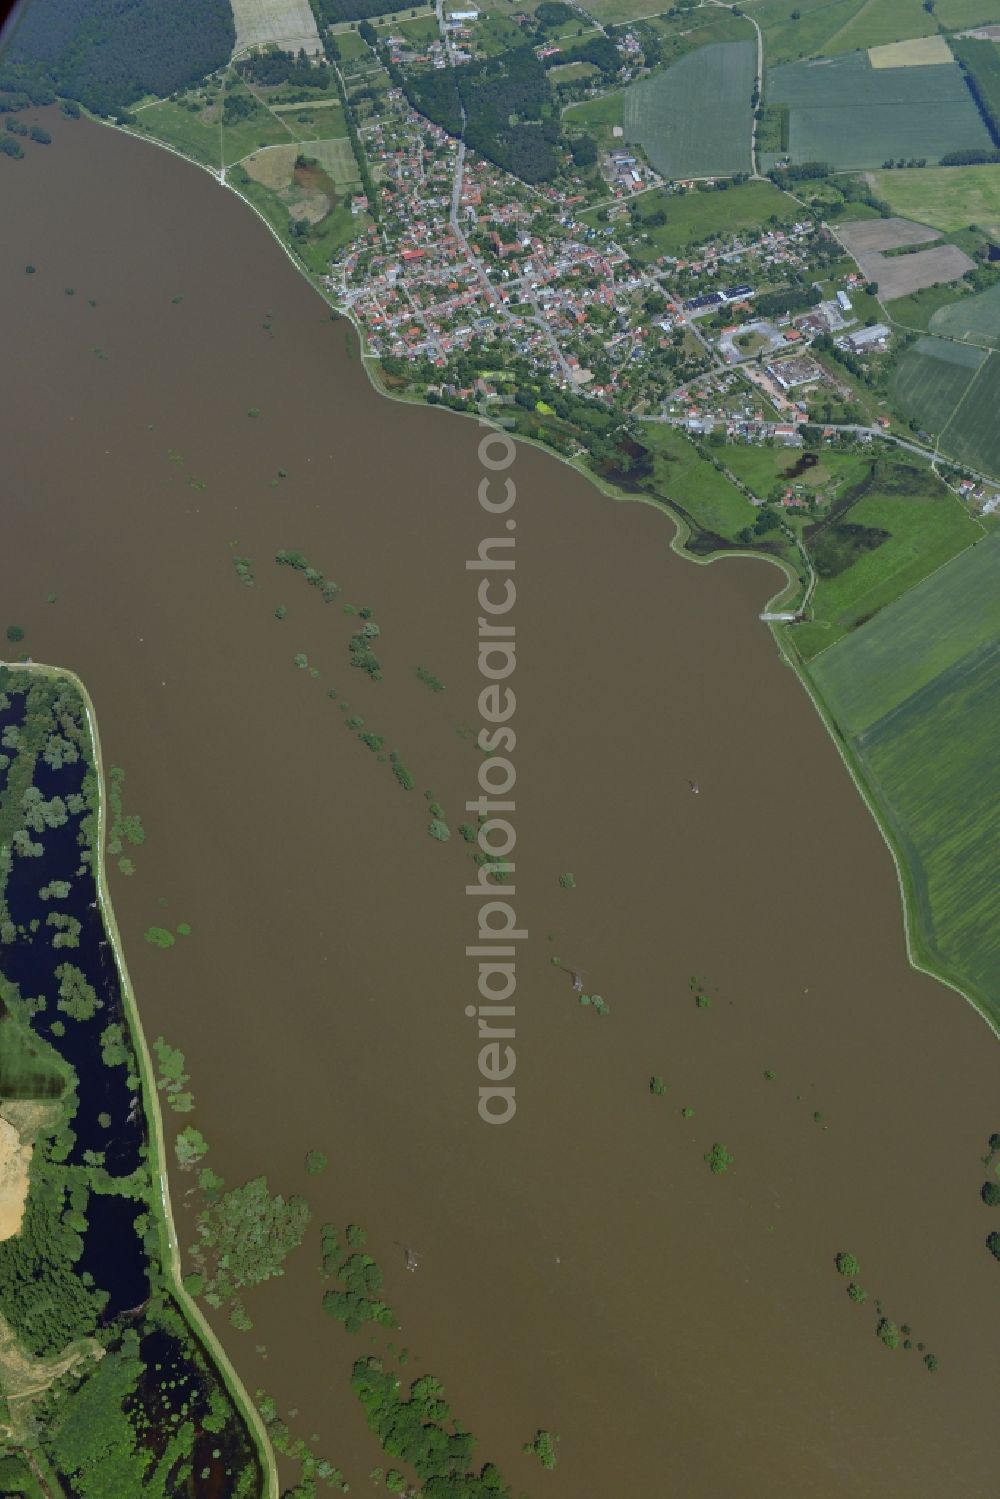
{"x": 598, "y": 117}
{"x": 947, "y": 198}
{"x": 931, "y": 378}
{"x": 880, "y": 21}
{"x": 337, "y": 229}
{"x": 693, "y": 218}
{"x": 958, "y": 13}
{"x": 616, "y": 12}
{"x": 352, "y": 46}
{"x": 973, "y": 434}
{"x": 917, "y": 310}
{"x": 975, "y": 319}
{"x": 262, "y": 128}
{"x": 182, "y": 129}
{"x": 682, "y": 475}
{"x": 764, "y": 468}
{"x": 571, "y": 72}
{"x": 694, "y": 119}
{"x": 927, "y": 526}
{"x": 325, "y": 118}
{"x": 811, "y": 28}
{"x": 851, "y": 115}
{"x": 912, "y": 641}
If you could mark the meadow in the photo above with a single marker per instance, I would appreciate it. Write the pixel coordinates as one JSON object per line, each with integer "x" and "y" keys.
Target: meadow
{"x": 598, "y": 116}
{"x": 947, "y": 198}
{"x": 852, "y": 115}
{"x": 915, "y": 693}
{"x": 958, "y": 13}
{"x": 915, "y": 312}
{"x": 812, "y": 28}
{"x": 682, "y": 475}
{"x": 352, "y": 47}
{"x": 974, "y": 320}
{"x": 927, "y": 526}
{"x": 666, "y": 114}
{"x": 694, "y": 217}
{"x": 181, "y": 128}
{"x": 879, "y": 22}
{"x": 931, "y": 378}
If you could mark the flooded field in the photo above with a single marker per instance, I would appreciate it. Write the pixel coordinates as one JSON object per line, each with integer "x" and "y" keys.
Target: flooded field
{"x": 580, "y": 1269}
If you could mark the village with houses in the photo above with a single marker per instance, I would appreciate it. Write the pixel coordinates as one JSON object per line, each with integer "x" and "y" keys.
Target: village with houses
{"x": 467, "y": 258}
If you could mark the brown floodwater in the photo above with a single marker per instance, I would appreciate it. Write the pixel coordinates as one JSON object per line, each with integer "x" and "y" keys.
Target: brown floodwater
{"x": 580, "y": 1269}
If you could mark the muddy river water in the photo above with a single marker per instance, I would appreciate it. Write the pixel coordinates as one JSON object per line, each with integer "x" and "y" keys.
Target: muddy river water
{"x": 580, "y": 1268}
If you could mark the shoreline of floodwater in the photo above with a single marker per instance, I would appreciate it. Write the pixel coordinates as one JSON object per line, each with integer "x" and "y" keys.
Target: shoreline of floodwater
{"x": 160, "y": 1203}
{"x": 917, "y": 954}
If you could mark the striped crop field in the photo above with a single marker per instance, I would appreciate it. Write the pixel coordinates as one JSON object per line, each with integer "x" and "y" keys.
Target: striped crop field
{"x": 915, "y": 696}
{"x": 851, "y": 115}
{"x": 973, "y": 434}
{"x": 931, "y": 378}
{"x": 694, "y": 119}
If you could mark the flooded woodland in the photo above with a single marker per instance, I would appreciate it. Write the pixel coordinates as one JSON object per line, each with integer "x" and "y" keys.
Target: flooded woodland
{"x": 581, "y": 1270}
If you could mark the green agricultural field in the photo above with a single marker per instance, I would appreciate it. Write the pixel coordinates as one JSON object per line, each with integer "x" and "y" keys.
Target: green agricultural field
{"x": 947, "y": 198}
{"x": 974, "y": 320}
{"x": 931, "y": 378}
{"x": 926, "y": 525}
{"x": 694, "y": 217}
{"x": 958, "y": 13}
{"x": 910, "y": 643}
{"x": 807, "y": 35}
{"x": 694, "y": 119}
{"x": 973, "y": 434}
{"x": 845, "y": 112}
{"x": 878, "y": 22}
{"x": 916, "y": 695}
{"x": 615, "y": 12}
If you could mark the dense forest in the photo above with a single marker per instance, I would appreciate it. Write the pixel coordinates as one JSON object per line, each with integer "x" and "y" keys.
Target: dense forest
{"x": 511, "y": 87}
{"x": 108, "y": 53}
{"x": 275, "y": 67}
{"x": 331, "y": 12}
